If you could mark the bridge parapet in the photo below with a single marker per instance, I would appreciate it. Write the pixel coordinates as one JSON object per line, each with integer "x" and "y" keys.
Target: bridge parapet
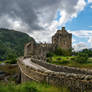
{"x": 58, "y": 68}
{"x": 60, "y": 75}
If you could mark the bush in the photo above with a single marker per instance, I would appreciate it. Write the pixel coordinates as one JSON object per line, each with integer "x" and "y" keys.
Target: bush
{"x": 61, "y": 62}
{"x": 12, "y": 61}
{"x": 50, "y": 54}
{"x": 66, "y": 52}
{"x": 65, "y": 62}
{"x": 82, "y": 58}
{"x": 63, "y": 52}
{"x": 59, "y": 52}
{"x": 31, "y": 87}
{"x": 49, "y": 59}
{"x": 28, "y": 88}
{"x": 73, "y": 58}
{"x": 17, "y": 88}
{"x": 59, "y": 59}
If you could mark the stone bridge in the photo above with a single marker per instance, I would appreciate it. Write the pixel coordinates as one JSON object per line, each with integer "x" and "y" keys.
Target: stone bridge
{"x": 76, "y": 79}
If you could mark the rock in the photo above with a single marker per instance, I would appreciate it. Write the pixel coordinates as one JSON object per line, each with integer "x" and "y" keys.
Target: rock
{"x": 2, "y": 75}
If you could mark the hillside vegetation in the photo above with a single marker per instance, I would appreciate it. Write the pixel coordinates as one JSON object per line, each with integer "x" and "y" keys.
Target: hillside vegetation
{"x": 12, "y": 43}
{"x": 82, "y": 59}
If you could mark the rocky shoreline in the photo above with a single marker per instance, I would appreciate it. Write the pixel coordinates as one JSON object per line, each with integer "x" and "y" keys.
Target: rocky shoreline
{"x": 5, "y": 75}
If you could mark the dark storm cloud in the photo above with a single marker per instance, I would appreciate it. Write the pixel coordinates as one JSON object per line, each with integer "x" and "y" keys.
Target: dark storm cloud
{"x": 21, "y": 9}
{"x": 33, "y": 14}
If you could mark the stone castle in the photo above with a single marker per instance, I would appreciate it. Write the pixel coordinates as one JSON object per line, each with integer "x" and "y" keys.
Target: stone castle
{"x": 62, "y": 39}
{"x": 37, "y": 69}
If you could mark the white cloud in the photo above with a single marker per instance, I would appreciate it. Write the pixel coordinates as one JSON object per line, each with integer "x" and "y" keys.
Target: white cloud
{"x": 73, "y": 40}
{"x": 89, "y": 26}
{"x": 91, "y": 6}
{"x": 66, "y": 16}
{"x": 89, "y": 1}
{"x": 90, "y": 41}
{"x": 82, "y": 33}
{"x": 79, "y": 46}
{"x": 37, "y": 18}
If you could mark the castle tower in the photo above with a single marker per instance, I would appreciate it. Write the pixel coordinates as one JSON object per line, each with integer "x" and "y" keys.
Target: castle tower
{"x": 29, "y": 48}
{"x": 62, "y": 39}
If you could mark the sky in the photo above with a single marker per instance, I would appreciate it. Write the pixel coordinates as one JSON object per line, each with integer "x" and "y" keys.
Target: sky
{"x": 42, "y": 18}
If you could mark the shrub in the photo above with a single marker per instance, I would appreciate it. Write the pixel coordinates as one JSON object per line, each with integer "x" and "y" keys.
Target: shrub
{"x": 73, "y": 58}
{"x": 58, "y": 51}
{"x": 63, "y": 52}
{"x": 50, "y": 54}
{"x": 82, "y": 58}
{"x": 67, "y": 52}
{"x": 12, "y": 61}
{"x": 29, "y": 88}
{"x": 48, "y": 60}
{"x": 65, "y": 62}
{"x": 59, "y": 59}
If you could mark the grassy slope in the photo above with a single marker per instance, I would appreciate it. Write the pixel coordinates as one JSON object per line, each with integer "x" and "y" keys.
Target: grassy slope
{"x": 12, "y": 41}
{"x": 59, "y": 60}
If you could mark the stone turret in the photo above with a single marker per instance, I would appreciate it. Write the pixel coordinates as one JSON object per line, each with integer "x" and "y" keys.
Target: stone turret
{"x": 62, "y": 39}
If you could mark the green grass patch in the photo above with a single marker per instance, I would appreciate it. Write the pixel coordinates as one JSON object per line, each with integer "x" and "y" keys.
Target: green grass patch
{"x": 31, "y": 87}
{"x": 70, "y": 61}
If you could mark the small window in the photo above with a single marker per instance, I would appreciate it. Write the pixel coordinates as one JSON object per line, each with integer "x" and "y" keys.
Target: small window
{"x": 64, "y": 42}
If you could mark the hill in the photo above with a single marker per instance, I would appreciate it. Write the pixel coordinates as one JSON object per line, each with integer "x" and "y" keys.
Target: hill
{"x": 12, "y": 43}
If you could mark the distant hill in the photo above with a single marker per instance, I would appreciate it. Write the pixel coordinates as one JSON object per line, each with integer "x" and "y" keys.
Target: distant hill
{"x": 90, "y": 48}
{"x": 12, "y": 43}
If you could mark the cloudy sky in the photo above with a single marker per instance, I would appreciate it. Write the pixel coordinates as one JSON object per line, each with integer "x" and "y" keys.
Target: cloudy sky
{"x": 41, "y": 19}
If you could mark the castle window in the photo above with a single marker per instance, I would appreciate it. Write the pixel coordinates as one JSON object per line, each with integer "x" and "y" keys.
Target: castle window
{"x": 64, "y": 42}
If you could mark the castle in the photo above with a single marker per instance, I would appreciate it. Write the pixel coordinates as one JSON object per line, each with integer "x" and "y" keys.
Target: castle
{"x": 34, "y": 67}
{"x": 62, "y": 39}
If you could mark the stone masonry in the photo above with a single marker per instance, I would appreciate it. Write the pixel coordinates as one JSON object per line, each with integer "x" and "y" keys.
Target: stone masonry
{"x": 62, "y": 39}
{"x": 77, "y": 80}
{"x": 34, "y": 68}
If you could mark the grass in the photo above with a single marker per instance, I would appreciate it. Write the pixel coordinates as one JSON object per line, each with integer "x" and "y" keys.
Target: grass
{"x": 69, "y": 61}
{"x": 31, "y": 87}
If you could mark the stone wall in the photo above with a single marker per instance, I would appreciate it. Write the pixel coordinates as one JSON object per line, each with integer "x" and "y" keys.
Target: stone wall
{"x": 62, "y": 39}
{"x": 38, "y": 49}
{"x": 58, "y": 68}
{"x": 77, "y": 82}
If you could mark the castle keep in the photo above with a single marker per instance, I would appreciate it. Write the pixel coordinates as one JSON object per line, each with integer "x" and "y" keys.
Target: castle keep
{"x": 62, "y": 39}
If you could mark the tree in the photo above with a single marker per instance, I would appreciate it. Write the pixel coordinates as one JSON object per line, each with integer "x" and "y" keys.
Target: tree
{"x": 82, "y": 58}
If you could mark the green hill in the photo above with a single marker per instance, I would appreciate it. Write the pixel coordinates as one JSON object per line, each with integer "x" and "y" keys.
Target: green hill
{"x": 12, "y": 43}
